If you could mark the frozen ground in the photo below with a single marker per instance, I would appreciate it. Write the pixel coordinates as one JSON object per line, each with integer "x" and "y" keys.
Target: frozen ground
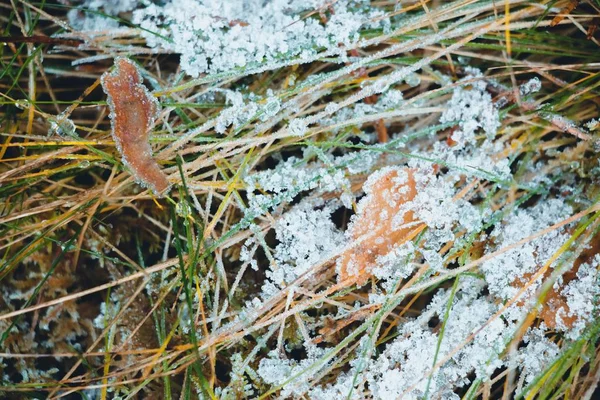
{"x": 384, "y": 200}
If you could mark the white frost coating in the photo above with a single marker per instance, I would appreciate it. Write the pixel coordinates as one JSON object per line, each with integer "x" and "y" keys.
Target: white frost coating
{"x": 271, "y": 108}
{"x": 531, "y": 86}
{"x": 111, "y": 7}
{"x": 275, "y": 370}
{"x": 407, "y": 360}
{"x": 267, "y": 189}
{"x": 237, "y": 114}
{"x": 582, "y": 296}
{"x": 472, "y": 109}
{"x": 306, "y": 236}
{"x": 403, "y": 367}
{"x": 397, "y": 264}
{"x": 219, "y": 36}
{"x": 239, "y": 384}
{"x": 593, "y": 124}
{"x": 340, "y": 390}
{"x": 504, "y": 270}
{"x": 92, "y": 22}
{"x": 434, "y": 205}
{"x": 298, "y": 127}
{"x": 391, "y": 99}
{"x": 537, "y": 355}
{"x": 413, "y": 80}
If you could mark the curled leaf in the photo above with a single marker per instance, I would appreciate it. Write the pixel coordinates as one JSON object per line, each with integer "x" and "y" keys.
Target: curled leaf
{"x": 132, "y": 113}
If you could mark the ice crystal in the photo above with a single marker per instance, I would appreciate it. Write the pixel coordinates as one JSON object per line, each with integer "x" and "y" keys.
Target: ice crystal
{"x": 298, "y": 127}
{"x": 393, "y": 266}
{"x": 271, "y": 108}
{"x": 267, "y": 189}
{"x": 531, "y": 86}
{"x": 306, "y": 236}
{"x": 472, "y": 109}
{"x": 537, "y": 355}
{"x": 276, "y": 370}
{"x": 434, "y": 204}
{"x": 406, "y": 362}
{"x": 504, "y": 270}
{"x": 215, "y": 36}
{"x": 582, "y": 297}
{"x": 593, "y": 124}
{"x": 340, "y": 390}
{"x": 93, "y": 21}
{"x": 238, "y": 112}
{"x": 239, "y": 385}
{"x": 389, "y": 100}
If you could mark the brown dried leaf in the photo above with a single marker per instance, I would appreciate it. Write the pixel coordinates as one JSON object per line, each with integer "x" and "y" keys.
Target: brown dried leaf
{"x": 374, "y": 226}
{"x": 132, "y": 112}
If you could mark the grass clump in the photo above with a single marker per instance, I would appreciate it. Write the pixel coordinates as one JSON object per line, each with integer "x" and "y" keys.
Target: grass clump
{"x": 367, "y": 200}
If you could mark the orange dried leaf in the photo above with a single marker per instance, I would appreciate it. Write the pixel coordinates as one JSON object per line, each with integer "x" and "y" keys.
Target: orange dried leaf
{"x": 375, "y": 227}
{"x": 555, "y": 303}
{"x": 382, "y": 133}
{"x": 132, "y": 113}
{"x": 564, "y": 12}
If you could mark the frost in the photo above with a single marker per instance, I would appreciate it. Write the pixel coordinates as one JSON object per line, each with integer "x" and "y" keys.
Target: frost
{"x": 298, "y": 127}
{"x": 247, "y": 253}
{"x": 472, "y": 109}
{"x": 473, "y": 342}
{"x": 249, "y": 312}
{"x": 413, "y": 80}
{"x": 394, "y": 266}
{"x": 582, "y": 296}
{"x": 91, "y": 21}
{"x": 406, "y": 362}
{"x": 434, "y": 205}
{"x": 357, "y": 162}
{"x": 340, "y": 390}
{"x": 505, "y": 270}
{"x": 537, "y": 355}
{"x": 214, "y": 36}
{"x": 306, "y": 236}
{"x": 107, "y": 312}
{"x": 593, "y": 124}
{"x": 237, "y": 114}
{"x": 267, "y": 189}
{"x": 271, "y": 108}
{"x": 276, "y": 370}
{"x": 389, "y": 100}
{"x": 111, "y": 7}
{"x": 399, "y": 200}
{"x": 307, "y": 151}
{"x": 531, "y": 86}
{"x": 239, "y": 385}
